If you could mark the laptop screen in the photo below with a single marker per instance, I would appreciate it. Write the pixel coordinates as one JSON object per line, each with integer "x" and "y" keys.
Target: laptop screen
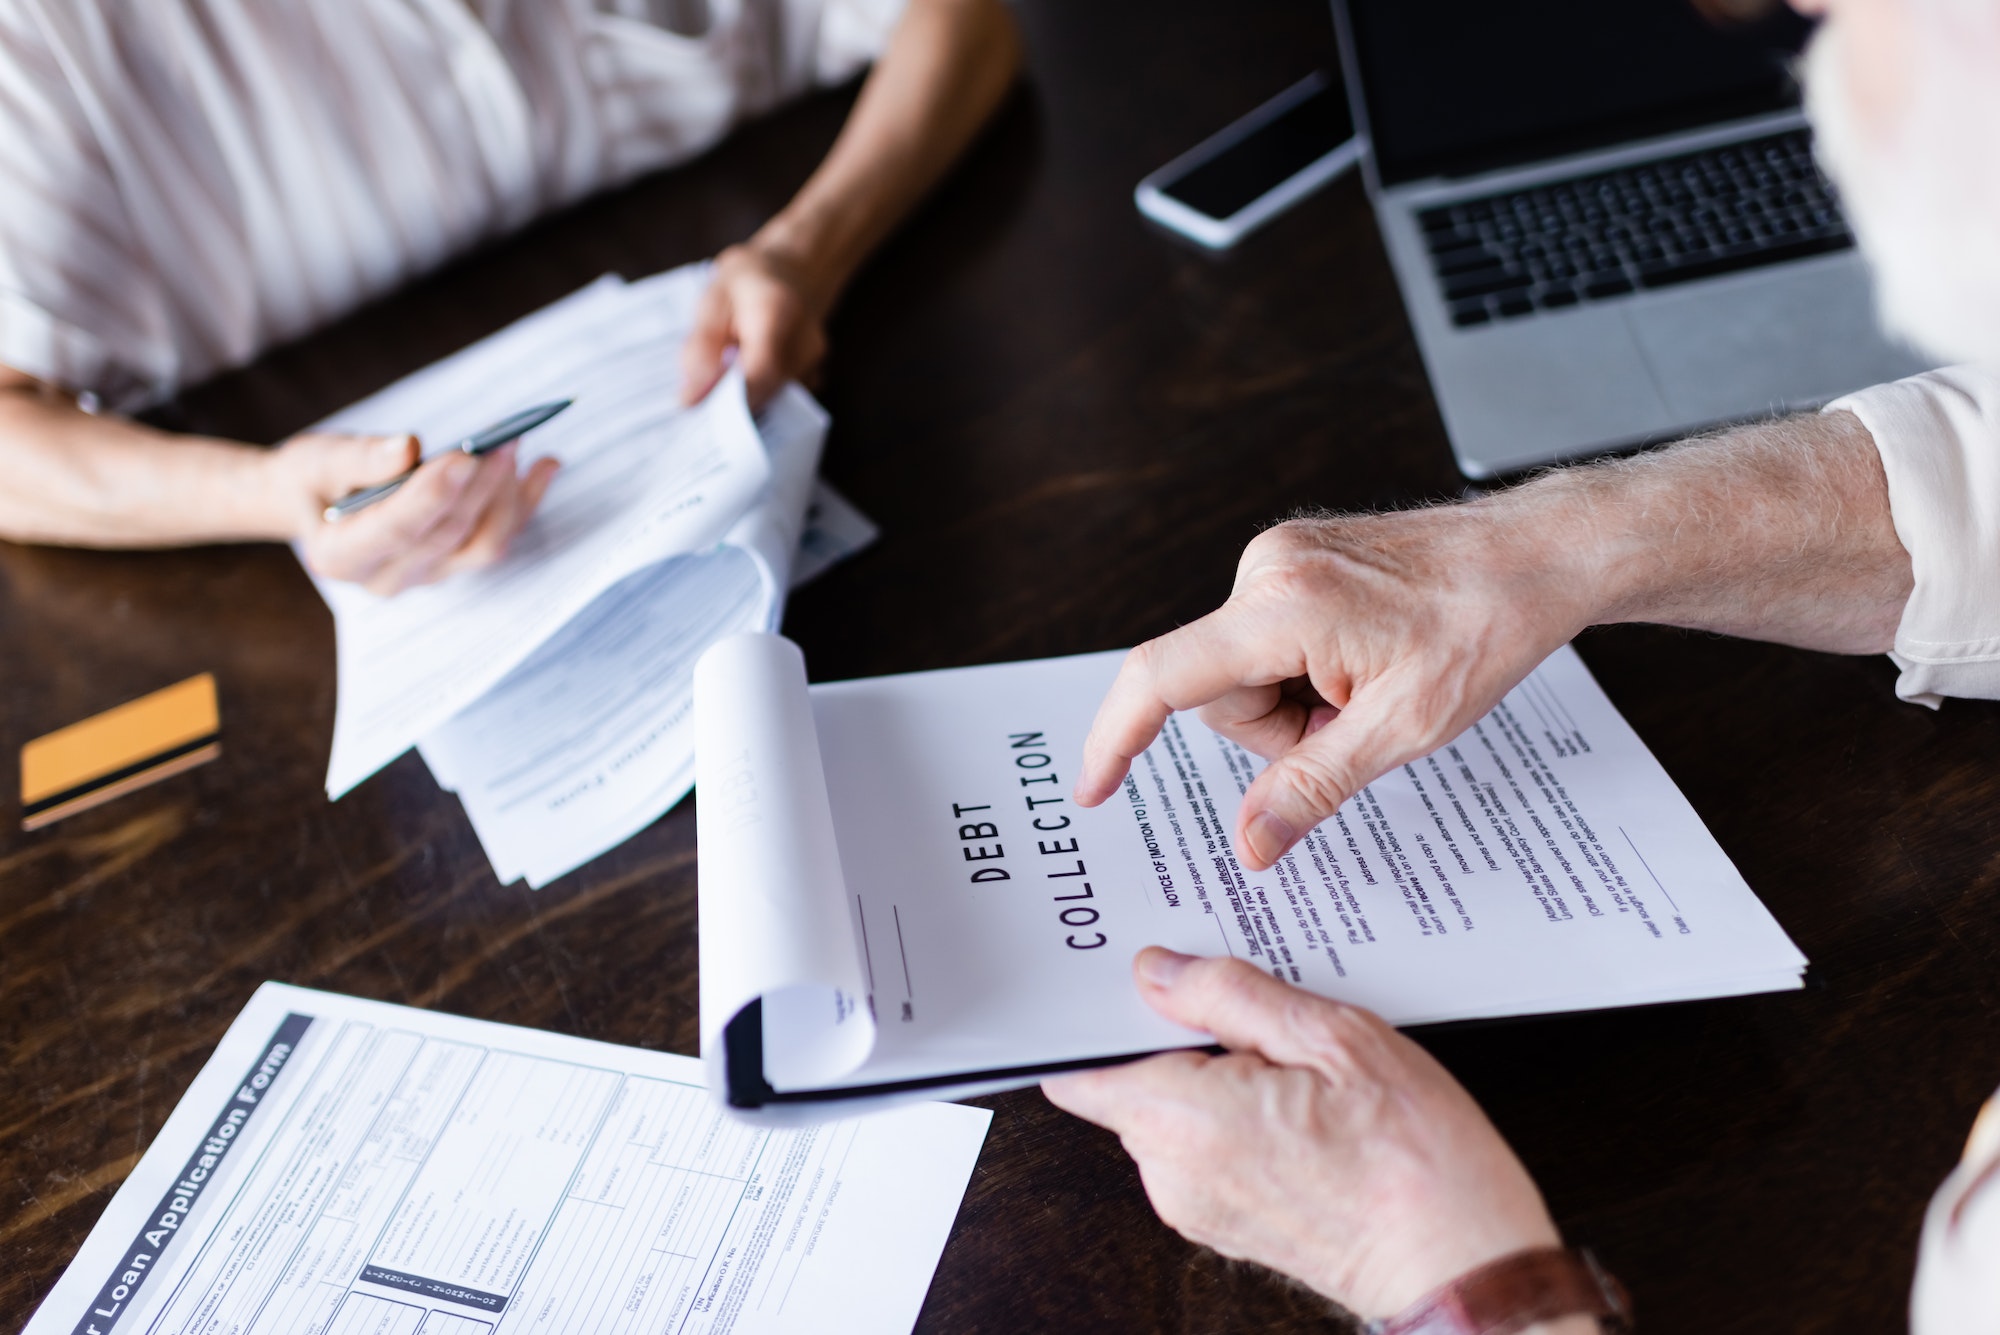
{"x": 1456, "y": 86}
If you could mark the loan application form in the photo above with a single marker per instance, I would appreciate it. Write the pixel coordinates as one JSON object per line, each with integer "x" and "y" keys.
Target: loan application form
{"x": 345, "y": 1167}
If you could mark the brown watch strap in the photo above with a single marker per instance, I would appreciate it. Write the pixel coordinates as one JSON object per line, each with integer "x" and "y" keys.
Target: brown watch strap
{"x": 1515, "y": 1292}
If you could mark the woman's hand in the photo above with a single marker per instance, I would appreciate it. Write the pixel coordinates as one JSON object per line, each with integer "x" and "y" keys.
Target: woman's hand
{"x": 770, "y": 309}
{"x": 1325, "y": 1145}
{"x": 457, "y": 513}
{"x": 946, "y": 67}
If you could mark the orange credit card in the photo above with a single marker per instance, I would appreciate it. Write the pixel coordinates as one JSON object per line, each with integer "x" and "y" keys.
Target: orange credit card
{"x": 120, "y": 750}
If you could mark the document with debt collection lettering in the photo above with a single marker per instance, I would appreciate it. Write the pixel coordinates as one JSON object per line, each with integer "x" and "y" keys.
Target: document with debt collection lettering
{"x": 900, "y": 898}
{"x": 346, "y": 1167}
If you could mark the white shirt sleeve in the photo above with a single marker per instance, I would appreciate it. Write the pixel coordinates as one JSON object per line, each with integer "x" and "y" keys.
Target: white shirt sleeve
{"x": 1958, "y": 1263}
{"x": 1939, "y": 438}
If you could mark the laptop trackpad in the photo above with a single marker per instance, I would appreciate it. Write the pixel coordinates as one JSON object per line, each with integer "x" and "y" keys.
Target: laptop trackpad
{"x": 1786, "y": 338}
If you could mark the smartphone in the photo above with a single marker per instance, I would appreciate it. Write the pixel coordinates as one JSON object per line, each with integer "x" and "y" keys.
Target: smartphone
{"x": 1237, "y": 180}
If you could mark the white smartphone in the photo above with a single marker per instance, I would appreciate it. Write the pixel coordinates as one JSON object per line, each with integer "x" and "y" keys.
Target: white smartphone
{"x": 1237, "y": 180}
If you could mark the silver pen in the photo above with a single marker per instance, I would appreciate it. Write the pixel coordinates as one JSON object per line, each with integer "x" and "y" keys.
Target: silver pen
{"x": 484, "y": 442}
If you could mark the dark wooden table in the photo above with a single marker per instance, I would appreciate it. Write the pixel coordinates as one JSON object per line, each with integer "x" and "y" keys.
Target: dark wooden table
{"x": 1067, "y": 426}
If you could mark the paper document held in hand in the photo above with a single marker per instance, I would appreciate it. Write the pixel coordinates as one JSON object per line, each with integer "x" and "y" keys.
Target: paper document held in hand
{"x": 552, "y": 692}
{"x": 898, "y": 895}
{"x": 643, "y": 479}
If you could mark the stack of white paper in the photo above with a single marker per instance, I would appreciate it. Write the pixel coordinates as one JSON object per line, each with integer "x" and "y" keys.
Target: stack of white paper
{"x": 552, "y": 692}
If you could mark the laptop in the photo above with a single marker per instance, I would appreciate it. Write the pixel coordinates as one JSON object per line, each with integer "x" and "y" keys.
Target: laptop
{"x": 1606, "y": 222}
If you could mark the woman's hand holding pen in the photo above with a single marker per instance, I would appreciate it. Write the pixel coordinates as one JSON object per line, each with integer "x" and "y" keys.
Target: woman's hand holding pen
{"x": 457, "y": 512}
{"x": 102, "y": 480}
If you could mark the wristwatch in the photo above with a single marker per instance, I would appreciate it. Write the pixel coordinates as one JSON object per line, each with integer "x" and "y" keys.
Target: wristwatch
{"x": 1515, "y": 1292}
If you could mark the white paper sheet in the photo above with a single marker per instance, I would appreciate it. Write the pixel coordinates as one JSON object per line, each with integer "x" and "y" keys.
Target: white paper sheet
{"x": 591, "y": 738}
{"x": 643, "y": 479}
{"x": 774, "y": 916}
{"x": 344, "y": 1167}
{"x": 1541, "y": 862}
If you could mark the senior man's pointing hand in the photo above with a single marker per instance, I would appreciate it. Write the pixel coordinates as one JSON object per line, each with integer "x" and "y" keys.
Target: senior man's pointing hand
{"x": 1353, "y": 645}
{"x": 1349, "y": 646}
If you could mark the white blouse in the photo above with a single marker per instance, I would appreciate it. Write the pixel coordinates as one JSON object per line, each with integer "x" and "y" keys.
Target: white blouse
{"x": 184, "y": 183}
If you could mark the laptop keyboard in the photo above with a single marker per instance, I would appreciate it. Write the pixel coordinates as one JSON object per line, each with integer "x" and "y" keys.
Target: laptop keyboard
{"x": 1652, "y": 225}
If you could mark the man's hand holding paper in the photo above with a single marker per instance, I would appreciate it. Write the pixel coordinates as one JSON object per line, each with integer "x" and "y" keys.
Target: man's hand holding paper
{"x": 1324, "y": 1144}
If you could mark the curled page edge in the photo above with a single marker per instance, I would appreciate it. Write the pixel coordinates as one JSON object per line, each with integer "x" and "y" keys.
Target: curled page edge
{"x": 777, "y": 931}
{"x": 793, "y": 428}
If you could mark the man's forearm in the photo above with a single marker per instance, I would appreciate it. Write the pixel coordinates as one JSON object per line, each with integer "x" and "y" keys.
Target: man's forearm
{"x": 1779, "y": 531}
{"x": 93, "y": 481}
{"x": 946, "y": 68}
